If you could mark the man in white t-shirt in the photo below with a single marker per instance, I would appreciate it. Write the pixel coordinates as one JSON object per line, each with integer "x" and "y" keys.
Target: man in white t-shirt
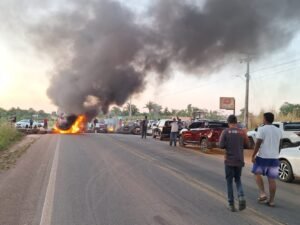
{"x": 265, "y": 158}
{"x": 174, "y": 132}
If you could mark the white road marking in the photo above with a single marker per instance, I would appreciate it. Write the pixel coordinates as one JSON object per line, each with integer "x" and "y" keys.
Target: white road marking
{"x": 48, "y": 203}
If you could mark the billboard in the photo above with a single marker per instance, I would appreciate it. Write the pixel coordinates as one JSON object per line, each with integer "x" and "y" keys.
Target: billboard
{"x": 227, "y": 103}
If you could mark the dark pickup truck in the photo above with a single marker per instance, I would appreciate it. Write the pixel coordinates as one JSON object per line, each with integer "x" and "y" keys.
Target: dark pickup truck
{"x": 205, "y": 133}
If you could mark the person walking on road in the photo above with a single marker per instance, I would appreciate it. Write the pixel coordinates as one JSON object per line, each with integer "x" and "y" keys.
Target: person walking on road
{"x": 13, "y": 121}
{"x": 144, "y": 125}
{"x": 174, "y": 132}
{"x": 95, "y": 121}
{"x": 31, "y": 123}
{"x": 45, "y": 123}
{"x": 234, "y": 140}
{"x": 265, "y": 158}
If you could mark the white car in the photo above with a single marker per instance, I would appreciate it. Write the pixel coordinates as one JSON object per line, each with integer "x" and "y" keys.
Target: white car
{"x": 290, "y": 134}
{"x": 26, "y": 124}
{"x": 289, "y": 168}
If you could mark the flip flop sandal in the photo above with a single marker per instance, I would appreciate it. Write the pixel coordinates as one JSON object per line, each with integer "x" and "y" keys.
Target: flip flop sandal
{"x": 262, "y": 199}
{"x": 270, "y": 204}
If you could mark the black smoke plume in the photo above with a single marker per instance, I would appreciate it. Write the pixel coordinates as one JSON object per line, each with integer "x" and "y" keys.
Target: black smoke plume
{"x": 104, "y": 51}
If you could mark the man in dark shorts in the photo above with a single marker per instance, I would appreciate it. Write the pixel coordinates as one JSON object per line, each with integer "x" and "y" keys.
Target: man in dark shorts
{"x": 144, "y": 126}
{"x": 265, "y": 158}
{"x": 234, "y": 140}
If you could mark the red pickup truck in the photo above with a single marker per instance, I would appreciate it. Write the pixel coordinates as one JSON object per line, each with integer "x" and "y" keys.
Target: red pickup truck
{"x": 205, "y": 133}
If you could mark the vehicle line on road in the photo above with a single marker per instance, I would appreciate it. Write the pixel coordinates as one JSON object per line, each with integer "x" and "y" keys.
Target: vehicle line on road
{"x": 252, "y": 214}
{"x": 46, "y": 216}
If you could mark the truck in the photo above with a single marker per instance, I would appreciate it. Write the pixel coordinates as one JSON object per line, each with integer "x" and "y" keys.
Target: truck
{"x": 290, "y": 134}
{"x": 204, "y": 133}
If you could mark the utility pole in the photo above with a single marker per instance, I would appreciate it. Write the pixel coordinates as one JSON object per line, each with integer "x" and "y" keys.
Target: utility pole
{"x": 130, "y": 111}
{"x": 247, "y": 75}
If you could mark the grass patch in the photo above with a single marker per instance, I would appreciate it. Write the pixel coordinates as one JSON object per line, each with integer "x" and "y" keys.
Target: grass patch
{"x": 256, "y": 120}
{"x": 8, "y": 136}
{"x": 9, "y": 158}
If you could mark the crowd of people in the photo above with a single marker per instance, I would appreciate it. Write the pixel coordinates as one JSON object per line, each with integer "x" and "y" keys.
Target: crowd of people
{"x": 234, "y": 140}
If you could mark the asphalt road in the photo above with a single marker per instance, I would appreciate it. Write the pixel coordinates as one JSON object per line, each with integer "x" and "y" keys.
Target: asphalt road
{"x": 123, "y": 180}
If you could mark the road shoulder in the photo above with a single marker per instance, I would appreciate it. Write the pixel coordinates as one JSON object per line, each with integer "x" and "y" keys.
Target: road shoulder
{"x": 9, "y": 157}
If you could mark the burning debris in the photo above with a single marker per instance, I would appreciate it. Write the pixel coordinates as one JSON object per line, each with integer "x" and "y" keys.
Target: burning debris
{"x": 104, "y": 52}
{"x": 70, "y": 125}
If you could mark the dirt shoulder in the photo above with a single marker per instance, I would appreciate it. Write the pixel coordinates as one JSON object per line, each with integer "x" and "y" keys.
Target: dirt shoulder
{"x": 247, "y": 154}
{"x": 220, "y": 153}
{"x": 9, "y": 157}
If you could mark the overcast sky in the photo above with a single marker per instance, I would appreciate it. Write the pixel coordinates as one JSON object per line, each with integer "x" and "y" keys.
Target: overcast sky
{"x": 25, "y": 74}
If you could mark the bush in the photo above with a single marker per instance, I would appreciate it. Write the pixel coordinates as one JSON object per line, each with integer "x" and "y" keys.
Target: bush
{"x": 8, "y": 135}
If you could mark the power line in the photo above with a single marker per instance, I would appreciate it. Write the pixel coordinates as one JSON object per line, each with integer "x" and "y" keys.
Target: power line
{"x": 257, "y": 78}
{"x": 276, "y": 65}
{"x": 236, "y": 76}
{"x": 199, "y": 86}
{"x": 277, "y": 72}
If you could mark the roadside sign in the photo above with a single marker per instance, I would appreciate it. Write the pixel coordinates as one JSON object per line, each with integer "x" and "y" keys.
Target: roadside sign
{"x": 227, "y": 103}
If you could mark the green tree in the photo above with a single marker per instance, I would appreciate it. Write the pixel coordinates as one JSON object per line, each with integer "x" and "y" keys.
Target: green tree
{"x": 215, "y": 115}
{"x": 3, "y": 112}
{"x": 196, "y": 109}
{"x": 157, "y": 108}
{"x": 288, "y": 108}
{"x": 166, "y": 112}
{"x": 134, "y": 110}
{"x": 174, "y": 112}
{"x": 182, "y": 112}
{"x": 150, "y": 106}
{"x": 154, "y": 109}
{"x": 189, "y": 109}
{"x": 31, "y": 111}
{"x": 22, "y": 113}
{"x": 115, "y": 111}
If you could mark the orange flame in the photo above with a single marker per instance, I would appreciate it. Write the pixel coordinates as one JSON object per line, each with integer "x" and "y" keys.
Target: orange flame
{"x": 77, "y": 127}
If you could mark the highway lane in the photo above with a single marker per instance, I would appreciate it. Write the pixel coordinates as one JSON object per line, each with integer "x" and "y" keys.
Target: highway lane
{"x": 122, "y": 179}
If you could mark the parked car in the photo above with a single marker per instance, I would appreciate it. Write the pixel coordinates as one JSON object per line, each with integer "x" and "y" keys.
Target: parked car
{"x": 130, "y": 128}
{"x": 100, "y": 127}
{"x": 289, "y": 168}
{"x": 290, "y": 134}
{"x": 252, "y": 138}
{"x": 89, "y": 127}
{"x": 205, "y": 133}
{"x": 195, "y": 124}
{"x": 151, "y": 124}
{"x": 162, "y": 129}
{"x": 26, "y": 124}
